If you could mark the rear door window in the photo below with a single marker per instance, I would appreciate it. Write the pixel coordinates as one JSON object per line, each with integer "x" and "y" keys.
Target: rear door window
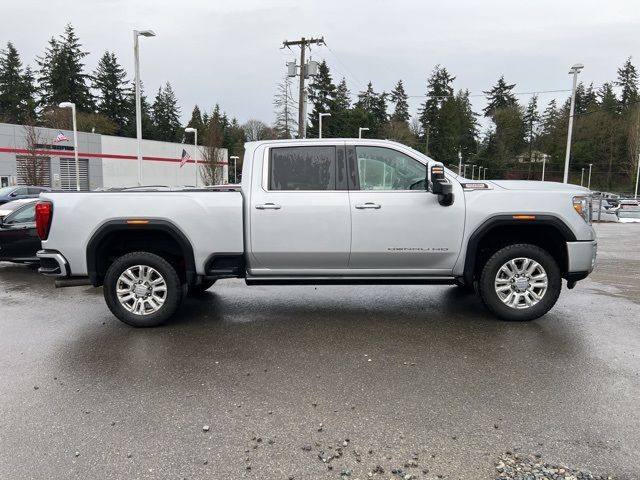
{"x": 302, "y": 168}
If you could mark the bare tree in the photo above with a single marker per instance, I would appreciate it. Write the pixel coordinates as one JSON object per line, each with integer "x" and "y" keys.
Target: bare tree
{"x": 33, "y": 165}
{"x": 257, "y": 130}
{"x": 285, "y": 110}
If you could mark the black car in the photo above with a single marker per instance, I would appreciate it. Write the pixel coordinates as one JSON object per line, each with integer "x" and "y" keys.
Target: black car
{"x": 19, "y": 240}
{"x": 8, "y": 194}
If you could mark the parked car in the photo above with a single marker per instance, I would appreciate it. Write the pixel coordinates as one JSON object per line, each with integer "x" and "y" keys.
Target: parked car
{"x": 629, "y": 204}
{"x": 19, "y": 241}
{"x": 8, "y": 194}
{"x": 331, "y": 211}
{"x": 629, "y": 216}
{"x": 7, "y": 208}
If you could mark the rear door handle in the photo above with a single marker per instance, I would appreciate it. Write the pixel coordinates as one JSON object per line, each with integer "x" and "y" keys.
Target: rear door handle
{"x": 268, "y": 206}
{"x": 363, "y": 206}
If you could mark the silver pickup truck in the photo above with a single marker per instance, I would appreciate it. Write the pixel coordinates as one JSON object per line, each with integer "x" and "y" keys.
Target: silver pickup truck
{"x": 332, "y": 211}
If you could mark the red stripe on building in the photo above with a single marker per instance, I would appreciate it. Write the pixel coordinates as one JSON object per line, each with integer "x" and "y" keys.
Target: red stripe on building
{"x": 68, "y": 154}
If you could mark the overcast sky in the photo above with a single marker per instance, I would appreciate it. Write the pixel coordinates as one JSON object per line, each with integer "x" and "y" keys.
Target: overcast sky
{"x": 228, "y": 51}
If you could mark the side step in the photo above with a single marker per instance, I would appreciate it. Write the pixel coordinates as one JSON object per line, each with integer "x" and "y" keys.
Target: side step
{"x": 350, "y": 280}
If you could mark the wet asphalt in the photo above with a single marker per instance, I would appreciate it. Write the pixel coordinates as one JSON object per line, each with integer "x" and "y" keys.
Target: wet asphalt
{"x": 413, "y": 375}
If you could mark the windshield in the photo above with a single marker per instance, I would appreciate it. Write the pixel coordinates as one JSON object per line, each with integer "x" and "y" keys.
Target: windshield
{"x": 6, "y": 191}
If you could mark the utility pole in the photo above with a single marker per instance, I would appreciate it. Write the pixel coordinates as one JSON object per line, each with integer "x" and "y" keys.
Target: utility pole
{"x": 303, "y": 43}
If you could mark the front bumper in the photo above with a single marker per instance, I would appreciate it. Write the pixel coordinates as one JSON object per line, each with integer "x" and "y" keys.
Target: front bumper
{"x": 581, "y": 256}
{"x": 53, "y": 264}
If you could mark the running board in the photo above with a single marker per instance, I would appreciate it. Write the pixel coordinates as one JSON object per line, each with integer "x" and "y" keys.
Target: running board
{"x": 350, "y": 280}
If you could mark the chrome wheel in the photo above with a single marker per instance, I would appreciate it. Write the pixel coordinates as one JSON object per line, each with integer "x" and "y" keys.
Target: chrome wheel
{"x": 521, "y": 283}
{"x": 141, "y": 290}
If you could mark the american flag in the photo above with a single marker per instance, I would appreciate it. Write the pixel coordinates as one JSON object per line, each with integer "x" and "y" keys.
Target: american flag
{"x": 185, "y": 158}
{"x": 60, "y": 138}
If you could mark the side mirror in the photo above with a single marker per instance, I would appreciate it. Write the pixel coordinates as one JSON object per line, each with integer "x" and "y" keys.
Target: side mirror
{"x": 438, "y": 184}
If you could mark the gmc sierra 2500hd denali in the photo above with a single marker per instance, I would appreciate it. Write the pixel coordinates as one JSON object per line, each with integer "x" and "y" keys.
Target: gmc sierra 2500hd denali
{"x": 323, "y": 211}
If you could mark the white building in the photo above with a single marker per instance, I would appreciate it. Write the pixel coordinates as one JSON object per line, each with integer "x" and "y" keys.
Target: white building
{"x": 104, "y": 160}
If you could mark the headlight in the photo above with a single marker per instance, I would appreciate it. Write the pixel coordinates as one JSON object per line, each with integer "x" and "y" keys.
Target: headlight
{"x": 582, "y": 205}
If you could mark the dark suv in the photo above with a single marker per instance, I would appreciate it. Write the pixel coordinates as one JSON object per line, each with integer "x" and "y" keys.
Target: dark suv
{"x": 8, "y": 194}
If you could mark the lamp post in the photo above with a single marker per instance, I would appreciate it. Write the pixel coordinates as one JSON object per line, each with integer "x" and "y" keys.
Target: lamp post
{"x": 235, "y": 163}
{"x": 589, "y": 178}
{"x": 473, "y": 171}
{"x": 459, "y": 161}
{"x": 72, "y": 106}
{"x": 575, "y": 70}
{"x": 484, "y": 173}
{"x": 544, "y": 161}
{"x": 464, "y": 170}
{"x": 195, "y": 148}
{"x": 582, "y": 177}
{"x": 136, "y": 34}
{"x": 320, "y": 117}
{"x": 480, "y": 173}
{"x": 635, "y": 195}
{"x": 360, "y": 130}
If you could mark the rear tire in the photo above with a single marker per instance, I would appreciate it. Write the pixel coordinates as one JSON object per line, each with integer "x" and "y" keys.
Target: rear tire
{"x": 142, "y": 289}
{"x": 520, "y": 282}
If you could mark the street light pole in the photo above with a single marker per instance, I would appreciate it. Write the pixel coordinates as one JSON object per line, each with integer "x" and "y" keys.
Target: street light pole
{"x": 72, "y": 106}
{"x": 235, "y": 163}
{"x": 574, "y": 70}
{"x": 360, "y": 130}
{"x": 473, "y": 171}
{"x": 484, "y": 173}
{"x": 320, "y": 117}
{"x": 195, "y": 148}
{"x": 136, "y": 56}
{"x": 544, "y": 161}
{"x": 464, "y": 170}
{"x": 589, "y": 180}
{"x": 582, "y": 177}
{"x": 635, "y": 195}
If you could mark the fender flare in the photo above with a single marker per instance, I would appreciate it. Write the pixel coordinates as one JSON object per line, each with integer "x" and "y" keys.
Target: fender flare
{"x": 508, "y": 220}
{"x": 121, "y": 225}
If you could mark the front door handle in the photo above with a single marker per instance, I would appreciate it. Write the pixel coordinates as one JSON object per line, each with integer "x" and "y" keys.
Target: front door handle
{"x": 268, "y": 206}
{"x": 363, "y": 206}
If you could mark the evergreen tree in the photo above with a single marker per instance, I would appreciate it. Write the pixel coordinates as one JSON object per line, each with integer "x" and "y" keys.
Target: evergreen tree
{"x": 628, "y": 80}
{"x": 322, "y": 95}
{"x": 401, "y": 106}
{"x": 343, "y": 96}
{"x": 499, "y": 96}
{"x": 148, "y": 130}
{"x": 374, "y": 106}
{"x": 61, "y": 76}
{"x": 166, "y": 115}
{"x": 285, "y": 123}
{"x": 111, "y": 85}
{"x": 439, "y": 89}
{"x": 607, "y": 98}
{"x": 196, "y": 121}
{"x": 17, "y": 90}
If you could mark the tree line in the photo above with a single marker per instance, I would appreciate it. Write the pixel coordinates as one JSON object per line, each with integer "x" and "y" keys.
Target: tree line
{"x": 606, "y": 122}
{"x": 606, "y": 131}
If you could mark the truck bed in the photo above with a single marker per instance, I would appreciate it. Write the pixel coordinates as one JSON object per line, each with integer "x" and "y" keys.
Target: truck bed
{"x": 210, "y": 219}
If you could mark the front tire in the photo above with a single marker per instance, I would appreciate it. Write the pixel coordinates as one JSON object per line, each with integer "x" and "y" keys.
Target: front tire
{"x": 520, "y": 282}
{"x": 142, "y": 289}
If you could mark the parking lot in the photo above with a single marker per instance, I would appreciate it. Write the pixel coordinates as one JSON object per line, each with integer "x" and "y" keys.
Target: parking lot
{"x": 415, "y": 378}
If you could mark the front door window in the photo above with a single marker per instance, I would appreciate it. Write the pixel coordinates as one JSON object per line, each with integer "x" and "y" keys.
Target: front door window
{"x": 382, "y": 168}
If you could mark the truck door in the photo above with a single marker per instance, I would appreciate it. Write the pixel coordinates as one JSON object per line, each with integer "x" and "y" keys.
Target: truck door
{"x": 396, "y": 224}
{"x": 299, "y": 209}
